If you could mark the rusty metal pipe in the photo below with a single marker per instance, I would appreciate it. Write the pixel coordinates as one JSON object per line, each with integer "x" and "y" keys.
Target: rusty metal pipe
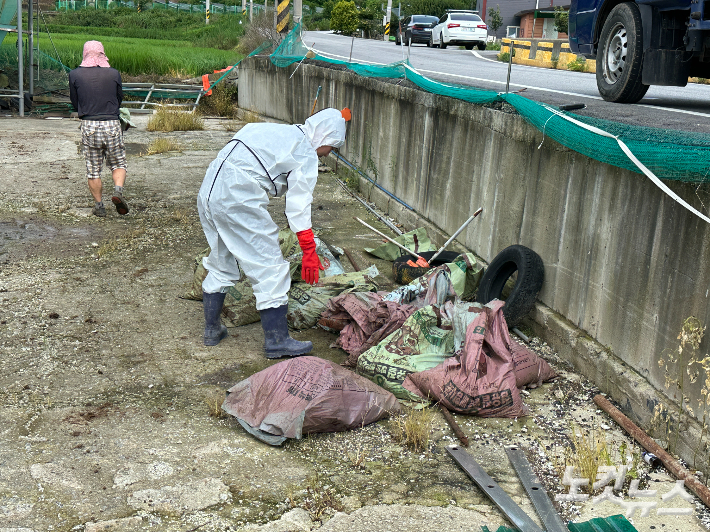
{"x": 352, "y": 260}
{"x": 670, "y": 463}
{"x": 454, "y": 426}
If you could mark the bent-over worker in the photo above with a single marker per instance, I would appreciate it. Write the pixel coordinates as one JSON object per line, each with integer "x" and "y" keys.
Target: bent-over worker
{"x": 263, "y": 160}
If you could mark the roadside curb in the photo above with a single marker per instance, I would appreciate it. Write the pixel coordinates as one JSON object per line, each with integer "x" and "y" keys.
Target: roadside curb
{"x": 555, "y": 54}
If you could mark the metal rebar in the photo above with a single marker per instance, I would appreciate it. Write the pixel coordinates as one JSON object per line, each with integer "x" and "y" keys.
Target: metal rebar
{"x": 351, "y": 50}
{"x": 510, "y": 64}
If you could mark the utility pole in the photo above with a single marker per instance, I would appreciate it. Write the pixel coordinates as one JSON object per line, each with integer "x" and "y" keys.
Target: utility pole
{"x": 388, "y": 18}
{"x": 251, "y": 10}
{"x": 207, "y": 12}
{"x": 244, "y": 7}
{"x": 297, "y": 11}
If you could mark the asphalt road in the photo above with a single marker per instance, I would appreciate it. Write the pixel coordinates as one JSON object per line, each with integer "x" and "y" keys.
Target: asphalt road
{"x": 684, "y": 108}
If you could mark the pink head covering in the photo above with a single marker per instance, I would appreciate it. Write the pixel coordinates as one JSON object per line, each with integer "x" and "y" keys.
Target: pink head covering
{"x": 94, "y": 55}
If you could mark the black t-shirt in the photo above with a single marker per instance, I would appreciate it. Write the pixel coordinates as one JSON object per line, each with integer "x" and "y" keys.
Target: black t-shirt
{"x": 96, "y": 92}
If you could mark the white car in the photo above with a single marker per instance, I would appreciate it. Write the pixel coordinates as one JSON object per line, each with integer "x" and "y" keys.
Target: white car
{"x": 460, "y": 28}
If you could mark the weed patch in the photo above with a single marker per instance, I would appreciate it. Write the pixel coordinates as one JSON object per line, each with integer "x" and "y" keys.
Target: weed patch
{"x": 222, "y": 101}
{"x": 214, "y": 405}
{"x": 578, "y": 64}
{"x": 163, "y": 145}
{"x": 168, "y": 120}
{"x": 413, "y": 428}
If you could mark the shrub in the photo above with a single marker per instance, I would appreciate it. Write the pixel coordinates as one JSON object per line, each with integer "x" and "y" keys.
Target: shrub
{"x": 344, "y": 18}
{"x": 222, "y": 101}
{"x": 258, "y": 31}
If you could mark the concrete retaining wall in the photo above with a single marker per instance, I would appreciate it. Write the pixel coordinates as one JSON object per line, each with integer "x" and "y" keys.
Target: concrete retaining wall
{"x": 624, "y": 264}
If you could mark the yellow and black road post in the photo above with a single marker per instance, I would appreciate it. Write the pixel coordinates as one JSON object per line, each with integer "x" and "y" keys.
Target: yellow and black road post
{"x": 283, "y": 17}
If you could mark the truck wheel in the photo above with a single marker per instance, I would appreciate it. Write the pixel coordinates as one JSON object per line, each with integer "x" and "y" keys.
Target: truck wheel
{"x": 620, "y": 56}
{"x": 531, "y": 273}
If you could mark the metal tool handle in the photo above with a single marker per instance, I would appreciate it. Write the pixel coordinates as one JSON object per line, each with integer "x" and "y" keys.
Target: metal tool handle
{"x": 409, "y": 251}
{"x": 431, "y": 260}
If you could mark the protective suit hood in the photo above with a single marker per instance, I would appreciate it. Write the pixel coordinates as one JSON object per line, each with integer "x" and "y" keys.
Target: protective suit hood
{"x": 325, "y": 128}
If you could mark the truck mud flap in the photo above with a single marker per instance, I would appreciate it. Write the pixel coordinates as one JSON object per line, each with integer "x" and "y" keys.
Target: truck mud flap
{"x": 666, "y": 67}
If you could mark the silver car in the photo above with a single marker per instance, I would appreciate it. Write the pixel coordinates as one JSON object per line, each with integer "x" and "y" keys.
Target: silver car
{"x": 460, "y": 28}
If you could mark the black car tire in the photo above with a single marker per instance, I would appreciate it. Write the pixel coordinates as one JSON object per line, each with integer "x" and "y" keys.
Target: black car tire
{"x": 428, "y": 43}
{"x": 620, "y": 56}
{"x": 531, "y": 274}
{"x": 468, "y": 46}
{"x": 481, "y": 46}
{"x": 405, "y": 274}
{"x": 443, "y": 45}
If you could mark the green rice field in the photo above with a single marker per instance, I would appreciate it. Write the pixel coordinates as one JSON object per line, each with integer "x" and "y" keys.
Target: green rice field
{"x": 130, "y": 56}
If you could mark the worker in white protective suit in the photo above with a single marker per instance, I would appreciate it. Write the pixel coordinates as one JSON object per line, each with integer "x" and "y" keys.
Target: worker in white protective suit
{"x": 263, "y": 160}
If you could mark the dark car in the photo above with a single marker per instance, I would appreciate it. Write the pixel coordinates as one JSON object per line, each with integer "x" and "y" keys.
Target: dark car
{"x": 415, "y": 28}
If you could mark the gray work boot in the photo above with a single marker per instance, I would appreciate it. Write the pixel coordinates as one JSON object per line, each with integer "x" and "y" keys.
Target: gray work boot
{"x": 214, "y": 330}
{"x": 277, "y": 342}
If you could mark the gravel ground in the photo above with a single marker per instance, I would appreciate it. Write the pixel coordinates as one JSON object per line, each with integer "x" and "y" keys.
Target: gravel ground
{"x": 105, "y": 385}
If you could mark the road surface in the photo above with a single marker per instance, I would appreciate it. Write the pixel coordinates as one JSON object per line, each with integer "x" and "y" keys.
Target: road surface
{"x": 684, "y": 108}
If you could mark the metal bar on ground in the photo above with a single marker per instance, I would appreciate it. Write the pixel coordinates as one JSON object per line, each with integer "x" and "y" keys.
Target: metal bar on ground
{"x": 454, "y": 426}
{"x": 535, "y": 490}
{"x": 494, "y": 492}
{"x": 648, "y": 443}
{"x": 409, "y": 251}
{"x": 352, "y": 260}
{"x": 373, "y": 211}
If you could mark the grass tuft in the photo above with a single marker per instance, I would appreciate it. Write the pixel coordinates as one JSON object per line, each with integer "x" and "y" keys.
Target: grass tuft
{"x": 168, "y": 120}
{"x": 214, "y": 404}
{"x": 163, "y": 145}
{"x": 413, "y": 428}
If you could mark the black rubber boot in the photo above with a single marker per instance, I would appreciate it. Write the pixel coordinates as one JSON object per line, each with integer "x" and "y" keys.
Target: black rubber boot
{"x": 214, "y": 330}
{"x": 277, "y": 342}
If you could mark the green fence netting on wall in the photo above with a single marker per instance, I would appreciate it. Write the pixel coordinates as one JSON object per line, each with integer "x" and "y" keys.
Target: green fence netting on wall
{"x": 668, "y": 154}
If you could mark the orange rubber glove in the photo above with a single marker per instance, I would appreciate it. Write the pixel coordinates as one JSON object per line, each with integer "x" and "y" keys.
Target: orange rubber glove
{"x": 310, "y": 264}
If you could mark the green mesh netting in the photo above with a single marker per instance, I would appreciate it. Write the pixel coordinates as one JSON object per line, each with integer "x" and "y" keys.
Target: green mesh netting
{"x": 670, "y": 154}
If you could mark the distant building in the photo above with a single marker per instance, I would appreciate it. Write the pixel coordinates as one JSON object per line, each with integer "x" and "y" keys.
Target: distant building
{"x": 521, "y": 17}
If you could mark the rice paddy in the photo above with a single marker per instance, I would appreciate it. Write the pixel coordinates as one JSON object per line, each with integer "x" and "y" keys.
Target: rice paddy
{"x": 130, "y": 56}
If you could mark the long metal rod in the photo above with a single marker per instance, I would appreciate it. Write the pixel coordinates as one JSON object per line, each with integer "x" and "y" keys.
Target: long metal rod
{"x": 494, "y": 492}
{"x": 409, "y": 251}
{"x": 510, "y": 64}
{"x": 442, "y": 248}
{"x": 648, "y": 443}
{"x": 20, "y": 62}
{"x": 373, "y": 211}
{"x": 536, "y": 491}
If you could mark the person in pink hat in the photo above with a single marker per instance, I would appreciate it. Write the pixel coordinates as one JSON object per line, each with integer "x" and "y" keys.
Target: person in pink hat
{"x": 95, "y": 90}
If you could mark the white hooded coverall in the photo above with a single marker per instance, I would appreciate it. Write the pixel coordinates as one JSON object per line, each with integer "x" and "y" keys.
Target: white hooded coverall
{"x": 261, "y": 160}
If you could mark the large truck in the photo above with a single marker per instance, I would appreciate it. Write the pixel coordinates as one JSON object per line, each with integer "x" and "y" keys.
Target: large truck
{"x": 641, "y": 43}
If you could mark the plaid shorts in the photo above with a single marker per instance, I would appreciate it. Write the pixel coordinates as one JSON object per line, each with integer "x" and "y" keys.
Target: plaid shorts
{"x": 99, "y": 139}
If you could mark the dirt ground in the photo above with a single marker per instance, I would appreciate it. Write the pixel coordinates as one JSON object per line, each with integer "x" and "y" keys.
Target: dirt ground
{"x": 106, "y": 391}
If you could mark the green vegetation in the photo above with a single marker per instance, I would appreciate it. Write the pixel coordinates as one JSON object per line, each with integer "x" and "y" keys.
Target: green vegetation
{"x": 223, "y": 32}
{"x": 433, "y": 7}
{"x": 133, "y": 56}
{"x": 578, "y": 64}
{"x": 167, "y": 120}
{"x": 561, "y": 19}
{"x": 344, "y": 18}
{"x": 495, "y": 20}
